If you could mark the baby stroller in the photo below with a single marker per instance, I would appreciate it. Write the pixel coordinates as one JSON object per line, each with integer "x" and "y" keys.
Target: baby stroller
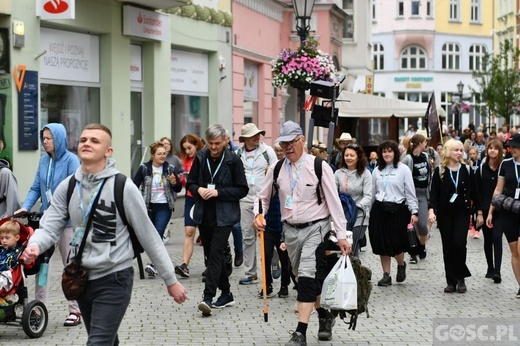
{"x": 33, "y": 315}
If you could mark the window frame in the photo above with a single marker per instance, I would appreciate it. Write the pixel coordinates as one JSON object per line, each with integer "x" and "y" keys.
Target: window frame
{"x": 450, "y": 57}
{"x": 410, "y": 57}
{"x": 475, "y": 57}
{"x": 379, "y": 57}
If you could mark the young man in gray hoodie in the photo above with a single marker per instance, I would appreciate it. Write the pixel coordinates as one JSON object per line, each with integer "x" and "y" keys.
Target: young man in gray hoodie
{"x": 108, "y": 251}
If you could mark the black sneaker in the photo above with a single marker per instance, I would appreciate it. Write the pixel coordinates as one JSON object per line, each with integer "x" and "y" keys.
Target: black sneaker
{"x": 422, "y": 254}
{"x": 297, "y": 339}
{"x": 413, "y": 259}
{"x": 489, "y": 273}
{"x": 386, "y": 280}
{"x": 496, "y": 277}
{"x": 401, "y": 273}
{"x": 284, "y": 292}
{"x": 224, "y": 301}
{"x": 183, "y": 270}
{"x": 325, "y": 328}
{"x": 205, "y": 307}
{"x": 518, "y": 294}
{"x": 461, "y": 286}
{"x": 270, "y": 293}
{"x": 239, "y": 259}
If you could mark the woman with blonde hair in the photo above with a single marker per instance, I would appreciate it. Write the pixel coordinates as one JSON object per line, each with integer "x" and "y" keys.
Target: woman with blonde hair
{"x": 453, "y": 189}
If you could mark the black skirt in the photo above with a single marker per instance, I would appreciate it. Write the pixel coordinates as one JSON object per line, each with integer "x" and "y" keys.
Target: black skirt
{"x": 387, "y": 230}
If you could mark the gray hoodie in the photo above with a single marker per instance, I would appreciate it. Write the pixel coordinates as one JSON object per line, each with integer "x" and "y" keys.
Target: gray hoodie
{"x": 108, "y": 248}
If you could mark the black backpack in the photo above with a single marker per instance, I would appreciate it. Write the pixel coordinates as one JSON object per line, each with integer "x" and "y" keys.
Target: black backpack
{"x": 119, "y": 188}
{"x": 317, "y": 170}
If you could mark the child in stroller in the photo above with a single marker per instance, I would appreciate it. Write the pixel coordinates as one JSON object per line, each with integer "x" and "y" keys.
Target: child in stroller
{"x": 13, "y": 291}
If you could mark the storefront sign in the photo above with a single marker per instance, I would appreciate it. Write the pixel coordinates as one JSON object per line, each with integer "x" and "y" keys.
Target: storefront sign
{"x": 369, "y": 82}
{"x": 146, "y": 24}
{"x": 136, "y": 63}
{"x": 69, "y": 56}
{"x": 250, "y": 82}
{"x": 28, "y": 112}
{"x": 189, "y": 73}
{"x": 56, "y": 9}
{"x": 408, "y": 79}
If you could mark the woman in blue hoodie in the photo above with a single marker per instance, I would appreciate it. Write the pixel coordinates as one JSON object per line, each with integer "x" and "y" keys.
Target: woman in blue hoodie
{"x": 56, "y": 165}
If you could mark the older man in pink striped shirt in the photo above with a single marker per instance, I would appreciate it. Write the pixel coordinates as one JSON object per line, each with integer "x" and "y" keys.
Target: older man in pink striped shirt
{"x": 306, "y": 222}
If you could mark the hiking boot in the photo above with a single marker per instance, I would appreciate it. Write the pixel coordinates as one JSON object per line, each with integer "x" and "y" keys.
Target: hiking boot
{"x": 490, "y": 272}
{"x": 496, "y": 277}
{"x": 183, "y": 270}
{"x": 276, "y": 271}
{"x": 269, "y": 292}
{"x": 239, "y": 259}
{"x": 248, "y": 280}
{"x": 224, "y": 301}
{"x": 325, "y": 328}
{"x": 284, "y": 292}
{"x": 386, "y": 280}
{"x": 461, "y": 286}
{"x": 401, "y": 273}
{"x": 413, "y": 259}
{"x": 297, "y": 339}
{"x": 449, "y": 289}
{"x": 205, "y": 307}
{"x": 150, "y": 269}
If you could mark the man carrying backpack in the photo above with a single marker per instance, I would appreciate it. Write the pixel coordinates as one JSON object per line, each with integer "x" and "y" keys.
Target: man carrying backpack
{"x": 305, "y": 223}
{"x": 108, "y": 250}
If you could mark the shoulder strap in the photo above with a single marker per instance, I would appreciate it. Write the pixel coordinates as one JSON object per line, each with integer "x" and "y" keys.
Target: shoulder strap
{"x": 276, "y": 172}
{"x": 70, "y": 189}
{"x": 318, "y": 169}
{"x": 266, "y": 157}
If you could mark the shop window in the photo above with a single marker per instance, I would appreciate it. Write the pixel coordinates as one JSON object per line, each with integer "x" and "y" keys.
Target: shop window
{"x": 190, "y": 114}
{"x": 250, "y": 112}
{"x": 73, "y": 106}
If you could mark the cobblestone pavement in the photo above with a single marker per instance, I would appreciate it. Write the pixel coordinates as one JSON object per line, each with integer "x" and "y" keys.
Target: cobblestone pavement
{"x": 401, "y": 314}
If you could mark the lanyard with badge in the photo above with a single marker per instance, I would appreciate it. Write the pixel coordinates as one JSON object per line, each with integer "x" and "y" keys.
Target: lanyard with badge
{"x": 289, "y": 199}
{"x": 386, "y": 177}
{"x": 50, "y": 171}
{"x": 456, "y": 183}
{"x": 251, "y": 178}
{"x": 517, "y": 191}
{"x": 212, "y": 175}
{"x": 80, "y": 231}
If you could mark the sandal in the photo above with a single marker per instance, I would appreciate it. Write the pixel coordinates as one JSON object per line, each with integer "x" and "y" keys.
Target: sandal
{"x": 73, "y": 320}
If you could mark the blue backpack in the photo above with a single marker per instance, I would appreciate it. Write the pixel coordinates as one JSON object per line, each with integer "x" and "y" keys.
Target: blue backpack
{"x": 349, "y": 209}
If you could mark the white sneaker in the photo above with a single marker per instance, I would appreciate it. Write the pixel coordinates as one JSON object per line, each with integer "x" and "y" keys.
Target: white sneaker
{"x": 150, "y": 269}
{"x": 167, "y": 241}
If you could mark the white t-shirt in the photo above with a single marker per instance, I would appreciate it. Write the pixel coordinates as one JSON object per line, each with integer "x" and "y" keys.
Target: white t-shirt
{"x": 158, "y": 195}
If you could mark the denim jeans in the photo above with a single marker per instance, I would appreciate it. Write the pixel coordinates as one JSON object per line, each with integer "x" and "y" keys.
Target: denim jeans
{"x": 236, "y": 230}
{"x": 160, "y": 215}
{"x": 103, "y": 306}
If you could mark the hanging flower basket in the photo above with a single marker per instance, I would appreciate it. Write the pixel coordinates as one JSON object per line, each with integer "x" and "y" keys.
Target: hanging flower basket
{"x": 302, "y": 67}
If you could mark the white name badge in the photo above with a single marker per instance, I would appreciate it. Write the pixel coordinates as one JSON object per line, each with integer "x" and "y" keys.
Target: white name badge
{"x": 251, "y": 180}
{"x": 288, "y": 203}
{"x": 48, "y": 194}
{"x": 211, "y": 186}
{"x": 453, "y": 197}
{"x": 78, "y": 236}
{"x": 517, "y": 193}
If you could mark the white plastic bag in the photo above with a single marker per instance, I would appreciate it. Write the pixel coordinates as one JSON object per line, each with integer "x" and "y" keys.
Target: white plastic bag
{"x": 339, "y": 291}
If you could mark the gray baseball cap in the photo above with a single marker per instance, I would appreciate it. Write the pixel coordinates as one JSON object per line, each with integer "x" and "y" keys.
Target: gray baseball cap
{"x": 289, "y": 131}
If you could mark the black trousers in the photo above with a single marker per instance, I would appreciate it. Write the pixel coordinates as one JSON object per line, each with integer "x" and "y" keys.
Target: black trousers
{"x": 272, "y": 241}
{"x": 493, "y": 244}
{"x": 454, "y": 232}
{"x": 214, "y": 241}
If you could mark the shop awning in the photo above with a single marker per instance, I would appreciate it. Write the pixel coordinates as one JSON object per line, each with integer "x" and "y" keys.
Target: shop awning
{"x": 370, "y": 106}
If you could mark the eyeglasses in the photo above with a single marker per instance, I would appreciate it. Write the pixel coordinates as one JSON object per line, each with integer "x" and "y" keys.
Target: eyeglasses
{"x": 352, "y": 145}
{"x": 285, "y": 145}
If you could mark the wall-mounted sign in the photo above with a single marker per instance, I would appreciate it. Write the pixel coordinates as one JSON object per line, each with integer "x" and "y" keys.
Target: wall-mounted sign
{"x": 189, "y": 73}
{"x": 146, "y": 24}
{"x": 408, "y": 79}
{"x": 250, "y": 82}
{"x": 69, "y": 56}
{"x": 369, "y": 84}
{"x": 136, "y": 63}
{"x": 56, "y": 9}
{"x": 28, "y": 112}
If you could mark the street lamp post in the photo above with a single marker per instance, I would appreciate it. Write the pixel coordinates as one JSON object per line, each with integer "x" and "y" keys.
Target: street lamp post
{"x": 303, "y": 11}
{"x": 460, "y": 91}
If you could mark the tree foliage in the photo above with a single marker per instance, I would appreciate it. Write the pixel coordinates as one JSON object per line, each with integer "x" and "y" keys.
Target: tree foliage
{"x": 499, "y": 81}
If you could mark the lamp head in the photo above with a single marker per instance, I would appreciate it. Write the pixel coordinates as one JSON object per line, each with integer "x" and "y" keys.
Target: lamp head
{"x": 303, "y": 8}
{"x": 460, "y": 87}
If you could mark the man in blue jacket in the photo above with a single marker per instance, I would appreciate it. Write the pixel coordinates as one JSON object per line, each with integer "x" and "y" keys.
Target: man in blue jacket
{"x": 217, "y": 182}
{"x": 56, "y": 165}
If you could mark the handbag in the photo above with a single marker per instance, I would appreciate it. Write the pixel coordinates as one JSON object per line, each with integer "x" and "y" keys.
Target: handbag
{"x": 74, "y": 278}
{"x": 502, "y": 202}
{"x": 339, "y": 290}
{"x": 390, "y": 207}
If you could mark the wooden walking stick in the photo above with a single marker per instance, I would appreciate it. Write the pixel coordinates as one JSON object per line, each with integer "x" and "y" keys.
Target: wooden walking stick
{"x": 262, "y": 260}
